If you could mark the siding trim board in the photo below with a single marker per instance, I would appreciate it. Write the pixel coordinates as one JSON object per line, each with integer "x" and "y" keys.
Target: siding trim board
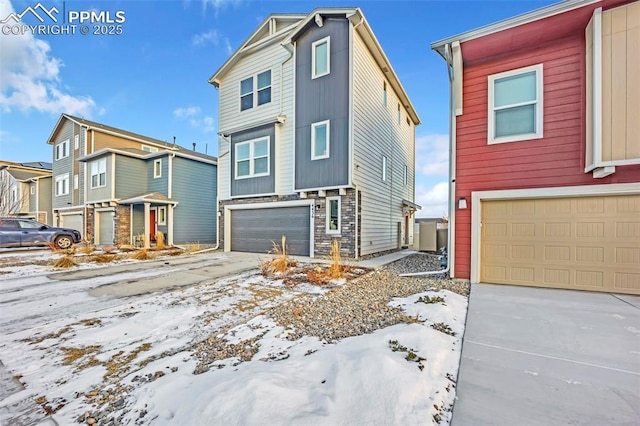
{"x": 512, "y": 194}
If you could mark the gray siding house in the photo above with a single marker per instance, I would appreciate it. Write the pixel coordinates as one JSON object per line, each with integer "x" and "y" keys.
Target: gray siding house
{"x": 316, "y": 140}
{"x": 123, "y": 188}
{"x": 25, "y": 190}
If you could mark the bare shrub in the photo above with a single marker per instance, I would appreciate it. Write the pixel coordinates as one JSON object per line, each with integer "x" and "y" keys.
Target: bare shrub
{"x": 142, "y": 254}
{"x": 65, "y": 262}
{"x": 160, "y": 245}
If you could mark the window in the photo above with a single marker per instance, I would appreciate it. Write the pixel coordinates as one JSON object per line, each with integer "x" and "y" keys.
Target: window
{"x": 262, "y": 95}
{"x": 147, "y": 148}
{"x": 384, "y": 168}
{"x": 33, "y": 190}
{"x": 14, "y": 194}
{"x": 62, "y": 184}
{"x": 384, "y": 93}
{"x": 62, "y": 149}
{"x": 320, "y": 58}
{"x": 320, "y": 134}
{"x": 27, "y": 224}
{"x": 76, "y": 142}
{"x": 75, "y": 181}
{"x": 252, "y": 158}
{"x": 405, "y": 175}
{"x": 333, "y": 215}
{"x": 162, "y": 215}
{"x": 99, "y": 173}
{"x": 515, "y": 105}
{"x": 157, "y": 168}
{"x": 398, "y": 113}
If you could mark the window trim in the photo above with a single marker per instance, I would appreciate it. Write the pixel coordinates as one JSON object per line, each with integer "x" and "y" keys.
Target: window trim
{"x": 161, "y": 218}
{"x": 76, "y": 142}
{"x": 384, "y": 168}
{"x": 91, "y": 174}
{"x": 61, "y": 178}
{"x": 64, "y": 145}
{"x": 313, "y": 139}
{"x": 255, "y": 90}
{"x": 155, "y": 163}
{"x": 399, "y": 114}
{"x": 405, "y": 175}
{"x": 327, "y": 40}
{"x": 147, "y": 148}
{"x": 539, "y": 111}
{"x": 75, "y": 181}
{"x": 32, "y": 190}
{"x": 252, "y": 158}
{"x": 384, "y": 93}
{"x": 328, "y": 215}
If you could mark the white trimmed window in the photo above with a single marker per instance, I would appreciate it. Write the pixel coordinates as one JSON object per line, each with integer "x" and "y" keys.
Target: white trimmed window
{"x": 99, "y": 173}
{"x": 62, "y": 185}
{"x": 384, "y": 168}
{"x": 252, "y": 158}
{"x": 333, "y": 215}
{"x": 162, "y": 215}
{"x": 255, "y": 90}
{"x": 384, "y": 93}
{"x": 321, "y": 57}
{"x": 76, "y": 142}
{"x": 14, "y": 194}
{"x": 157, "y": 168}
{"x": 515, "y": 105}
{"x": 33, "y": 190}
{"x": 75, "y": 181}
{"x": 62, "y": 149}
{"x": 320, "y": 136}
{"x": 399, "y": 114}
{"x": 148, "y": 148}
{"x": 405, "y": 175}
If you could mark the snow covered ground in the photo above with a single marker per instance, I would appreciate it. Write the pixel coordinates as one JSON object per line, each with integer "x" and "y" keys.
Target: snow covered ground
{"x": 208, "y": 354}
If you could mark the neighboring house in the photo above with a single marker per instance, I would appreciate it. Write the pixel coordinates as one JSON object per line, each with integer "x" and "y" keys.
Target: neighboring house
{"x": 546, "y": 171}
{"x": 25, "y": 190}
{"x": 317, "y": 139}
{"x": 118, "y": 187}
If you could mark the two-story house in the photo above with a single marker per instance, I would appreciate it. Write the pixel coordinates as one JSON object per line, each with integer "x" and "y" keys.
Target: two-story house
{"x": 545, "y": 184}
{"x": 119, "y": 187}
{"x": 317, "y": 139}
{"x": 25, "y": 190}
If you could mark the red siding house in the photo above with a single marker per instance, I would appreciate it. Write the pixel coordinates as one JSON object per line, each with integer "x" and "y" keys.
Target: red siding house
{"x": 545, "y": 171}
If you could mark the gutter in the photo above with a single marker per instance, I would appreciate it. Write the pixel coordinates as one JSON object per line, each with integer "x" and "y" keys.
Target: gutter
{"x": 448, "y": 57}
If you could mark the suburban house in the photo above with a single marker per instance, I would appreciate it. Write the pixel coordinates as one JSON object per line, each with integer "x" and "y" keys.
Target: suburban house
{"x": 25, "y": 190}
{"x": 119, "y": 187}
{"x": 317, "y": 139}
{"x": 545, "y": 176}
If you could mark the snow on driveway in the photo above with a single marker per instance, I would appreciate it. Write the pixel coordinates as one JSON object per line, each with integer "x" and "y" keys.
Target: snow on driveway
{"x": 134, "y": 360}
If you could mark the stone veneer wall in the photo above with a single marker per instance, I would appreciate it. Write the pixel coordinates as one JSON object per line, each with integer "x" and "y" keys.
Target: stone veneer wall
{"x": 123, "y": 224}
{"x": 322, "y": 241}
{"x": 90, "y": 237}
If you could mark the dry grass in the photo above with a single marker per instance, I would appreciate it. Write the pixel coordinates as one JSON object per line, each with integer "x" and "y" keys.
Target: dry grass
{"x": 104, "y": 258}
{"x": 126, "y": 248}
{"x": 87, "y": 248}
{"x": 119, "y": 364}
{"x": 109, "y": 249}
{"x": 142, "y": 254}
{"x": 71, "y": 355}
{"x": 160, "y": 245}
{"x": 281, "y": 263}
{"x": 193, "y": 247}
{"x": 65, "y": 262}
{"x": 336, "y": 270}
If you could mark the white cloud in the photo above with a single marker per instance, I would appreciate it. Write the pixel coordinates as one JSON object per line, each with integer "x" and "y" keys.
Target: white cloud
{"x": 205, "y": 38}
{"x": 217, "y": 5}
{"x": 186, "y": 111}
{"x": 227, "y": 44}
{"x": 433, "y": 199}
{"x": 206, "y": 124}
{"x": 432, "y": 155}
{"x": 31, "y": 76}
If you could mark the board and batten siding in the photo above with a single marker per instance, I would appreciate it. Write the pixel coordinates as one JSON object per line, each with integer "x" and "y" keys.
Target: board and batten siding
{"x": 194, "y": 187}
{"x": 255, "y": 185}
{"x": 557, "y": 159}
{"x": 376, "y": 133}
{"x": 131, "y": 177}
{"x": 320, "y": 99}
{"x": 63, "y": 166}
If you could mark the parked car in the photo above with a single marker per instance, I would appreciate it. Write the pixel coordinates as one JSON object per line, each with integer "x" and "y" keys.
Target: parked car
{"x": 16, "y": 232}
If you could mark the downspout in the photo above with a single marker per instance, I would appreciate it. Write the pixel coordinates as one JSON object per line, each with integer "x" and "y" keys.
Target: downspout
{"x": 448, "y": 57}
{"x": 170, "y": 208}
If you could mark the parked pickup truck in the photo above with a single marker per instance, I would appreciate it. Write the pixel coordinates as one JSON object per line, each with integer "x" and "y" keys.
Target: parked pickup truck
{"x": 15, "y": 232}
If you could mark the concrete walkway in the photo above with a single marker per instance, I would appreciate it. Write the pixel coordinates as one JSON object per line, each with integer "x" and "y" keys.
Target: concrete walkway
{"x": 535, "y": 356}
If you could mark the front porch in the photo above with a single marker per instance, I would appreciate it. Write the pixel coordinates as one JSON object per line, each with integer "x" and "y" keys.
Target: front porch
{"x": 150, "y": 213}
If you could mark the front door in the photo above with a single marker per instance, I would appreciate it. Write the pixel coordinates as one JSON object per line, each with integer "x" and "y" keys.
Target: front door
{"x": 152, "y": 225}
{"x": 406, "y": 230}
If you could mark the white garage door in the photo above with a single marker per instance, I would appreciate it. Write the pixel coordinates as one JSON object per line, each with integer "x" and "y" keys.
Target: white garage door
{"x": 72, "y": 221}
{"x": 105, "y": 227}
{"x": 587, "y": 243}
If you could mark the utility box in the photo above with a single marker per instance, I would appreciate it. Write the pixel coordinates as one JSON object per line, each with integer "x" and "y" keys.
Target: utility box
{"x": 428, "y": 239}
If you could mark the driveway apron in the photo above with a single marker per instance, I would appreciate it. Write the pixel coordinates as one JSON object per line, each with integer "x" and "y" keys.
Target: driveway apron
{"x": 534, "y": 356}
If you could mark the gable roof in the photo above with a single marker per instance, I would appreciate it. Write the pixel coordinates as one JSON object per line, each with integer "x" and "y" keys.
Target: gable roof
{"x": 289, "y": 34}
{"x": 145, "y": 155}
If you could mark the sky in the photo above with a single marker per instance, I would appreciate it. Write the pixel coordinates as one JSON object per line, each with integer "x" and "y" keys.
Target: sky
{"x": 152, "y": 78}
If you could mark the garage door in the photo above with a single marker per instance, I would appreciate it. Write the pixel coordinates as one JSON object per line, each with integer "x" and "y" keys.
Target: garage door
{"x": 72, "y": 221}
{"x": 105, "y": 227}
{"x": 588, "y": 243}
{"x": 255, "y": 230}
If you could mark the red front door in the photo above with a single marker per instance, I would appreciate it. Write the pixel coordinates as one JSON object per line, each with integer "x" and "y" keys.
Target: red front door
{"x": 406, "y": 230}
{"x": 152, "y": 225}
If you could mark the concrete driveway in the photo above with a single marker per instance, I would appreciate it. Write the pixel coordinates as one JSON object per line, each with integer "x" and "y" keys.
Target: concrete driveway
{"x": 535, "y": 356}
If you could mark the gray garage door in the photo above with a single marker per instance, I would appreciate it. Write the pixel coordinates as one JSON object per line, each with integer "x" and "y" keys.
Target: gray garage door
{"x": 72, "y": 221}
{"x": 255, "y": 230}
{"x": 106, "y": 227}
